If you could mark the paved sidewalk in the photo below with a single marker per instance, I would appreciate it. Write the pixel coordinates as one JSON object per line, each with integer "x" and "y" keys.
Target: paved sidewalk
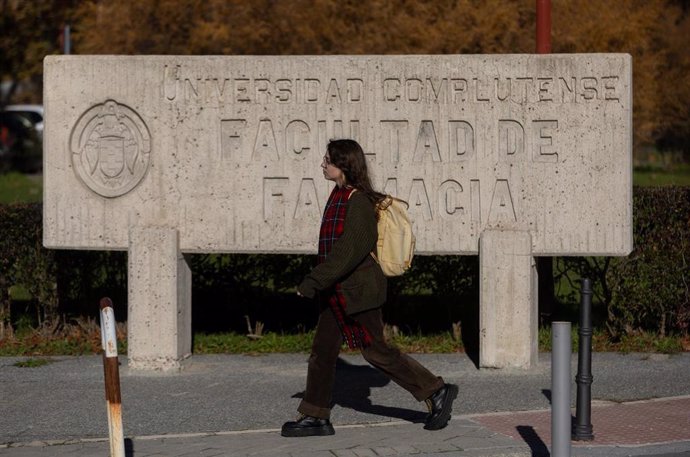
{"x": 234, "y": 405}
{"x": 631, "y": 423}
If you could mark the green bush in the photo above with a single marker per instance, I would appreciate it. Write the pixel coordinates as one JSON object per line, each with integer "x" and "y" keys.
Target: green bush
{"x": 84, "y": 277}
{"x": 646, "y": 291}
{"x": 228, "y": 287}
{"x": 60, "y": 282}
{"x": 23, "y": 260}
{"x": 649, "y": 290}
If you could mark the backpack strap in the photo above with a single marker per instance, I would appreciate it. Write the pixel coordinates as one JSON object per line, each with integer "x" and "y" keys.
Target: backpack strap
{"x": 372, "y": 252}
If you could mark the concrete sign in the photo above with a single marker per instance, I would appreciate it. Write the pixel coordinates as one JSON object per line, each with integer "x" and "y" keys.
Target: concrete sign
{"x": 222, "y": 154}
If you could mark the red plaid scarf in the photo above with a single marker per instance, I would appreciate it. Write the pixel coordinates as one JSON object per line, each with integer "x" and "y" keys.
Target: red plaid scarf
{"x": 332, "y": 225}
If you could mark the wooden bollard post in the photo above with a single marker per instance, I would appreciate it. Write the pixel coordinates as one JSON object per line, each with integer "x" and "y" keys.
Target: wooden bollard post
{"x": 111, "y": 372}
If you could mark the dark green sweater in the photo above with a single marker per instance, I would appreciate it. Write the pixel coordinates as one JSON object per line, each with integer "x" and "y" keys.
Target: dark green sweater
{"x": 350, "y": 263}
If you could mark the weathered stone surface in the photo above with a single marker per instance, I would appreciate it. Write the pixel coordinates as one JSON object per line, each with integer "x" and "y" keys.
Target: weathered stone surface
{"x": 164, "y": 155}
{"x": 508, "y": 316}
{"x": 159, "y": 311}
{"x": 227, "y": 149}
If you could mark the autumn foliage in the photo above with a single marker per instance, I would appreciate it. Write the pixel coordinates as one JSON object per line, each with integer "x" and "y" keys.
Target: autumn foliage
{"x": 654, "y": 32}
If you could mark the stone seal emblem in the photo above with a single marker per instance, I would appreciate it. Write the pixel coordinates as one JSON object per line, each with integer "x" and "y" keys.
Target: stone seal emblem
{"x": 111, "y": 148}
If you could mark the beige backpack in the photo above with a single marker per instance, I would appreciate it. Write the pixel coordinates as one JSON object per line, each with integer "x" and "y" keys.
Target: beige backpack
{"x": 395, "y": 245}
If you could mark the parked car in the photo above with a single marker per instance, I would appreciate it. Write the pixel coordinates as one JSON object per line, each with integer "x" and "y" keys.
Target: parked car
{"x": 21, "y": 147}
{"x": 34, "y": 113}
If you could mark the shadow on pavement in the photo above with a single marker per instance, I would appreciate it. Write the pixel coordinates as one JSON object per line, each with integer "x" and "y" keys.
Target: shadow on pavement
{"x": 532, "y": 439}
{"x": 129, "y": 448}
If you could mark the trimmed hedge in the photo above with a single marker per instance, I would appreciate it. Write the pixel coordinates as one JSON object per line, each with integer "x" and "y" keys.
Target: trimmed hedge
{"x": 23, "y": 260}
{"x": 648, "y": 290}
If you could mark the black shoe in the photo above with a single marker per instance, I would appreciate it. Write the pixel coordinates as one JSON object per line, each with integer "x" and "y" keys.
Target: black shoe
{"x": 308, "y": 426}
{"x": 440, "y": 406}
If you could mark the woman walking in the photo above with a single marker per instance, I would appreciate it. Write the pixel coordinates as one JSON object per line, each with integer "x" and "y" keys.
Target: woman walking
{"x": 351, "y": 289}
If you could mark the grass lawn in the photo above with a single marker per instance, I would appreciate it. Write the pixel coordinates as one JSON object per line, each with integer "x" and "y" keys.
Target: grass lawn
{"x": 84, "y": 338}
{"x": 20, "y": 188}
{"x": 17, "y": 187}
{"x": 677, "y": 175}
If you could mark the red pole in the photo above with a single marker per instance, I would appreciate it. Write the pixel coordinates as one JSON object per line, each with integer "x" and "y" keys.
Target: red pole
{"x": 543, "y": 26}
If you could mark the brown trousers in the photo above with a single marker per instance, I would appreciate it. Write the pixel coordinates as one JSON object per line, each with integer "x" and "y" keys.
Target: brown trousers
{"x": 401, "y": 368}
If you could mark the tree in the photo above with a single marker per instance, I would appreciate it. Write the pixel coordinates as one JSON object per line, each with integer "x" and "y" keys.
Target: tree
{"x": 646, "y": 30}
{"x": 30, "y": 31}
{"x": 654, "y": 33}
{"x": 673, "y": 131}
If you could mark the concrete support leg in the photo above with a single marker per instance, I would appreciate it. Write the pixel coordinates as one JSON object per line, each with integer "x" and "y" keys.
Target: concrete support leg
{"x": 508, "y": 314}
{"x": 159, "y": 323}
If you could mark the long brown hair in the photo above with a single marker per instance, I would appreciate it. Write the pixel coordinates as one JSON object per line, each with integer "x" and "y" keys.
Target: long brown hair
{"x": 348, "y": 156}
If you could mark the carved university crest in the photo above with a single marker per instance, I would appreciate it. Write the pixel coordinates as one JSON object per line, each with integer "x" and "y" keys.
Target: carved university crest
{"x": 110, "y": 147}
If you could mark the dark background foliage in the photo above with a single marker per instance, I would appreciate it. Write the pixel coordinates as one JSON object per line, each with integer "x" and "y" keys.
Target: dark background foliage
{"x": 653, "y": 32}
{"x": 648, "y": 290}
